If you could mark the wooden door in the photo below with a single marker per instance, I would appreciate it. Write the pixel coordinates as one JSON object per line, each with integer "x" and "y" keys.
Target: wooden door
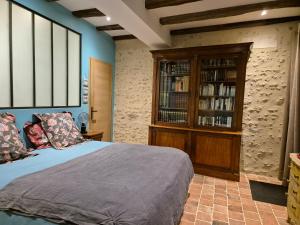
{"x": 100, "y": 98}
{"x": 217, "y": 154}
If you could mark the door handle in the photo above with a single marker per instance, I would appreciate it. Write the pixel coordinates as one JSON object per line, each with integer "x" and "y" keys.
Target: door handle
{"x": 92, "y": 114}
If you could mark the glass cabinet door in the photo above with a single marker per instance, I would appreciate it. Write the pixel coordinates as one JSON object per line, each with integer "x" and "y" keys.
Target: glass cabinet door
{"x": 174, "y": 88}
{"x": 217, "y": 92}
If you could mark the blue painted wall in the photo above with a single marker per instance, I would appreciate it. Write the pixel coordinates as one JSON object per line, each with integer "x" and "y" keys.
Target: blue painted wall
{"x": 94, "y": 44}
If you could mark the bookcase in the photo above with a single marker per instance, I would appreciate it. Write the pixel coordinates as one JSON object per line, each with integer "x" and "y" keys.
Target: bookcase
{"x": 197, "y": 105}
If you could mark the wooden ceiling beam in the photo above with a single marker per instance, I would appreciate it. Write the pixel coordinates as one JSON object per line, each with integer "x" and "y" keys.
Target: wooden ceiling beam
{"x": 87, "y": 13}
{"x": 230, "y": 26}
{"x": 230, "y": 11}
{"x": 123, "y": 37}
{"x": 110, "y": 27}
{"x": 153, "y": 4}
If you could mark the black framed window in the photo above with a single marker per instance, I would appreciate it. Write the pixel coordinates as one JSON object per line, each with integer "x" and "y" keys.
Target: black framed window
{"x": 40, "y": 60}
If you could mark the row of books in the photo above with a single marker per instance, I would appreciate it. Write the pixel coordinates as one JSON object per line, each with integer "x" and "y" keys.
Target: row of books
{"x": 175, "y": 68}
{"x": 172, "y": 117}
{"x": 173, "y": 100}
{"x": 218, "y": 62}
{"x": 179, "y": 84}
{"x": 218, "y": 75}
{"x": 217, "y": 89}
{"x": 222, "y": 104}
{"x": 219, "y": 121}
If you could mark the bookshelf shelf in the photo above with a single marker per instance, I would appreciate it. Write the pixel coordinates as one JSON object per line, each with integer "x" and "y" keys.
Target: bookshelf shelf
{"x": 220, "y": 82}
{"x": 197, "y": 105}
{"x": 173, "y": 109}
{"x": 218, "y": 67}
{"x": 216, "y": 111}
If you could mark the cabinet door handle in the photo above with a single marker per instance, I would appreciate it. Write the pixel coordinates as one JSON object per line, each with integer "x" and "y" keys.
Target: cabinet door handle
{"x": 296, "y": 177}
{"x": 295, "y": 192}
{"x": 293, "y": 207}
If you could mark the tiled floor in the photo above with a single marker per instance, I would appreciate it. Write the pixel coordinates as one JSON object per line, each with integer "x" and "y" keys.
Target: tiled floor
{"x": 220, "y": 202}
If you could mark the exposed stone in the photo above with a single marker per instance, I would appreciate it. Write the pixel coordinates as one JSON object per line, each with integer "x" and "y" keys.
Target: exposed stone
{"x": 265, "y": 88}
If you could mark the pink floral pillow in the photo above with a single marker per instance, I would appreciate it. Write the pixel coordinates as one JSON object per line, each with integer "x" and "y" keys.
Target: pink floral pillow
{"x": 60, "y": 129}
{"x": 11, "y": 145}
{"x": 36, "y": 135}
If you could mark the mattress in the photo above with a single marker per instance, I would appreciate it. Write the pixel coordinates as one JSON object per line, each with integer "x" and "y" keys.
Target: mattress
{"x": 47, "y": 158}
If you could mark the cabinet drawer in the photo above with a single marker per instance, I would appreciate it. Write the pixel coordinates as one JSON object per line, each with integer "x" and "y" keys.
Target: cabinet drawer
{"x": 294, "y": 190}
{"x": 293, "y": 210}
{"x": 295, "y": 173}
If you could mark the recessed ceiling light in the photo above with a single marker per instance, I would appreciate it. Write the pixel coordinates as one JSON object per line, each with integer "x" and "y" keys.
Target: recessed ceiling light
{"x": 108, "y": 18}
{"x": 264, "y": 12}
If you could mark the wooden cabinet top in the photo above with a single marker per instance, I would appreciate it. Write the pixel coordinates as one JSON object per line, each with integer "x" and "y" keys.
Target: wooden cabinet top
{"x": 295, "y": 159}
{"x": 211, "y": 49}
{"x": 92, "y": 134}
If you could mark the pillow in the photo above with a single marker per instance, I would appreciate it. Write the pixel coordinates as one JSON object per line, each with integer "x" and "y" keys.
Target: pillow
{"x": 36, "y": 135}
{"x": 60, "y": 129}
{"x": 11, "y": 145}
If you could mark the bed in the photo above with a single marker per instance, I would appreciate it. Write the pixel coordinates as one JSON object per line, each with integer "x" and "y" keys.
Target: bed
{"x": 130, "y": 184}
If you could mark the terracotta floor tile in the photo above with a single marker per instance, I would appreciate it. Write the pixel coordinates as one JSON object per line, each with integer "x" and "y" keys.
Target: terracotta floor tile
{"x": 220, "y": 217}
{"x": 235, "y": 208}
{"x": 236, "y": 222}
{"x": 236, "y": 215}
{"x": 199, "y": 222}
{"x": 204, "y": 208}
{"x": 220, "y": 196}
{"x": 220, "y": 208}
{"x": 216, "y": 222}
{"x": 251, "y": 215}
{"x": 280, "y": 213}
{"x": 234, "y": 202}
{"x": 195, "y": 190}
{"x": 252, "y": 222}
{"x": 220, "y": 202}
{"x": 191, "y": 207}
{"x": 188, "y": 217}
{"x": 207, "y": 196}
{"x": 278, "y": 207}
{"x": 198, "y": 179}
{"x": 220, "y": 186}
{"x": 282, "y": 221}
{"x": 233, "y": 196}
{"x": 268, "y": 219}
{"x": 206, "y": 202}
{"x": 247, "y": 201}
{"x": 246, "y": 196}
{"x": 204, "y": 216}
{"x": 251, "y": 208}
{"x": 186, "y": 223}
{"x": 245, "y": 191}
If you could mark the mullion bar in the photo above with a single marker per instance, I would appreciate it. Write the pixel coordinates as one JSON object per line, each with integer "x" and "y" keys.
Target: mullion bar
{"x": 52, "y": 70}
{"x": 33, "y": 59}
{"x": 11, "y": 56}
{"x": 67, "y": 77}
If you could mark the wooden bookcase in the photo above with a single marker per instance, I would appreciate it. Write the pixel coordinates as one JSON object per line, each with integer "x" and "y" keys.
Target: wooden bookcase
{"x": 197, "y": 105}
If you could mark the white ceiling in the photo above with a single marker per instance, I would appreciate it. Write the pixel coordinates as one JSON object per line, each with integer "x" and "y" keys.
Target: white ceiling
{"x": 147, "y": 27}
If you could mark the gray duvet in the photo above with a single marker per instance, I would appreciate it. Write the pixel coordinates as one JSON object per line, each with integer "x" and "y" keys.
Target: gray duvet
{"x": 121, "y": 184}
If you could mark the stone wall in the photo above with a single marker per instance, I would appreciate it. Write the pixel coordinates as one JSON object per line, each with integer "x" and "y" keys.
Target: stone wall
{"x": 266, "y": 79}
